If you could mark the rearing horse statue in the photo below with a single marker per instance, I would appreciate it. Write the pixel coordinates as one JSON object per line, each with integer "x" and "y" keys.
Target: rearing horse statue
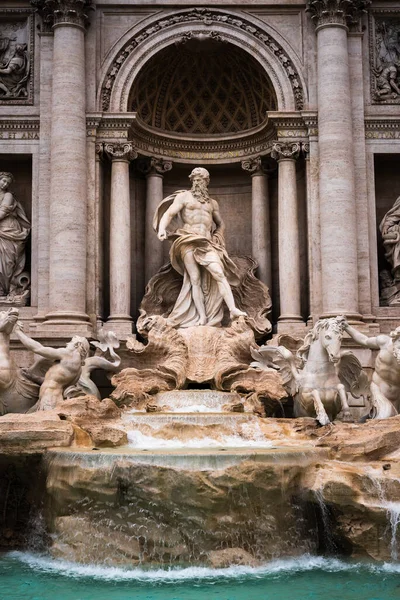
{"x": 320, "y": 375}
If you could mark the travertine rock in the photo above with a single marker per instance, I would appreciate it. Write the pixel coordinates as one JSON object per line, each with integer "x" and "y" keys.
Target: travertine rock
{"x": 219, "y": 559}
{"x": 27, "y": 434}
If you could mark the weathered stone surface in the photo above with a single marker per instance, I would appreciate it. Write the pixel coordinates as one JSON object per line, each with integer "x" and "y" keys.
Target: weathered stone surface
{"x": 89, "y": 407}
{"x": 220, "y": 559}
{"x": 372, "y": 440}
{"x": 34, "y": 433}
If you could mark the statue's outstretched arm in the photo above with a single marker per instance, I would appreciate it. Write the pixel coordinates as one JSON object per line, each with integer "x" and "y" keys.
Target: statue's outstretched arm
{"x": 374, "y": 343}
{"x": 169, "y": 214}
{"x": 52, "y": 353}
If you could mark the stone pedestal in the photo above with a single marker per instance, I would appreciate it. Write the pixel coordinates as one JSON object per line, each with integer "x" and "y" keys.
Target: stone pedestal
{"x": 288, "y": 235}
{"x": 260, "y": 219}
{"x": 120, "y": 320}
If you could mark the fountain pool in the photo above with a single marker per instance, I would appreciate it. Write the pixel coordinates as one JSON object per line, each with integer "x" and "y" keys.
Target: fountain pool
{"x": 27, "y": 576}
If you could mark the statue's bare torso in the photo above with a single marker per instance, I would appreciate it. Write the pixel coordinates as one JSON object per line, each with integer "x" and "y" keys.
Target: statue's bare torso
{"x": 197, "y": 216}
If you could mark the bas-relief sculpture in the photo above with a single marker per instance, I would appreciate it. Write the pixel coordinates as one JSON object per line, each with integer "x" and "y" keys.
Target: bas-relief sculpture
{"x": 320, "y": 375}
{"x": 386, "y": 60}
{"x": 14, "y": 60}
{"x": 14, "y": 230}
{"x": 390, "y": 232}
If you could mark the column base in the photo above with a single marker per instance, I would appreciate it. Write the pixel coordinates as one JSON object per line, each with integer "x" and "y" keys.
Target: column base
{"x": 291, "y": 324}
{"x": 121, "y": 325}
{"x": 63, "y": 325}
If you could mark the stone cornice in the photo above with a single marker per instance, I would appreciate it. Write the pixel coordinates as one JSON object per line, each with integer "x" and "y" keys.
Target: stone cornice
{"x": 63, "y": 12}
{"x": 336, "y": 12}
{"x": 208, "y": 17}
{"x": 19, "y": 129}
{"x": 382, "y": 128}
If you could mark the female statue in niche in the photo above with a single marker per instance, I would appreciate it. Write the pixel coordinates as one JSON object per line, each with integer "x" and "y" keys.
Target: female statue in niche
{"x": 14, "y": 230}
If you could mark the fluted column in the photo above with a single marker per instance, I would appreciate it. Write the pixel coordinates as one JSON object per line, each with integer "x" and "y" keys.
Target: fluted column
{"x": 68, "y": 186}
{"x": 120, "y": 320}
{"x": 336, "y": 156}
{"x": 260, "y": 218}
{"x": 154, "y": 170}
{"x": 286, "y": 154}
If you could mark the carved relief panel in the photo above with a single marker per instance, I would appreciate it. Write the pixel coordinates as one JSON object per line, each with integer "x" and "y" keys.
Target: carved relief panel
{"x": 385, "y": 57}
{"x": 16, "y": 57}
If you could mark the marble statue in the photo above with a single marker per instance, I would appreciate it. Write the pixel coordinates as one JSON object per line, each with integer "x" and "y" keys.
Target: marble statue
{"x": 107, "y": 343}
{"x": 390, "y": 231}
{"x": 19, "y": 388}
{"x": 14, "y": 230}
{"x": 191, "y": 219}
{"x": 385, "y": 384}
{"x": 320, "y": 375}
{"x": 67, "y": 371}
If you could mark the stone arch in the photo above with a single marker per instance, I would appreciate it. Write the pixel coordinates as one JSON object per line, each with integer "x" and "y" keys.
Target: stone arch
{"x": 258, "y": 40}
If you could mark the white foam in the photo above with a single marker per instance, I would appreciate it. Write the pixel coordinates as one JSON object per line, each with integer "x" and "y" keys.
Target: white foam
{"x": 290, "y": 565}
{"x": 137, "y": 439}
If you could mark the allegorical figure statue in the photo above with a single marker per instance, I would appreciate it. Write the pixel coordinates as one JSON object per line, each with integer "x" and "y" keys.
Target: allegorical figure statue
{"x": 191, "y": 219}
{"x": 385, "y": 384}
{"x": 390, "y": 231}
{"x": 14, "y": 230}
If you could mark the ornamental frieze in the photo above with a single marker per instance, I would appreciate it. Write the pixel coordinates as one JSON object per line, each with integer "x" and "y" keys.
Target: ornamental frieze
{"x": 207, "y": 17}
{"x": 16, "y": 56}
{"x": 384, "y": 43}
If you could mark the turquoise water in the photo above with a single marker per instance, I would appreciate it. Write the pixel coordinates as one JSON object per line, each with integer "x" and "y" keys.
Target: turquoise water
{"x": 26, "y": 576}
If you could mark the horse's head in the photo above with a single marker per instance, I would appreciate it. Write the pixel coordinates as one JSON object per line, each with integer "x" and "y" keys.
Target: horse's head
{"x": 330, "y": 334}
{"x": 8, "y": 319}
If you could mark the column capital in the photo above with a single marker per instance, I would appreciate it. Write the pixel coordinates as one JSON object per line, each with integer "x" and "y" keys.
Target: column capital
{"x": 155, "y": 166}
{"x": 99, "y": 150}
{"x": 336, "y": 12}
{"x": 253, "y": 166}
{"x": 63, "y": 12}
{"x": 285, "y": 150}
{"x": 306, "y": 150}
{"x": 120, "y": 151}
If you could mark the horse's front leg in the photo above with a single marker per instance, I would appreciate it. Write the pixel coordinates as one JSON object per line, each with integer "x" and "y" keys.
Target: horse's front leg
{"x": 347, "y": 416}
{"x": 320, "y": 411}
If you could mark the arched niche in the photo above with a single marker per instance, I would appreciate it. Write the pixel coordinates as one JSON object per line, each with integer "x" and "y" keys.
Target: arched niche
{"x": 250, "y": 35}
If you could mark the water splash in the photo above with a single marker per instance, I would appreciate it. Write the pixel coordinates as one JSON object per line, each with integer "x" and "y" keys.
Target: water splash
{"x": 392, "y": 510}
{"x": 304, "y": 563}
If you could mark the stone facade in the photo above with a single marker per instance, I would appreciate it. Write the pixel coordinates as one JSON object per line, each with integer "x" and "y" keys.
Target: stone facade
{"x": 106, "y": 107}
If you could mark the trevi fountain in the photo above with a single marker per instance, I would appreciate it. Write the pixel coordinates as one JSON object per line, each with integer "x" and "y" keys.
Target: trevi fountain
{"x": 199, "y": 300}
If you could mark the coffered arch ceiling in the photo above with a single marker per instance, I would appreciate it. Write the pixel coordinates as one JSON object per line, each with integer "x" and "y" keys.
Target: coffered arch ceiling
{"x": 206, "y": 87}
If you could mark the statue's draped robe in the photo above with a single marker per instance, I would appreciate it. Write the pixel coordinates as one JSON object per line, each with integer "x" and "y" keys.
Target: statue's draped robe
{"x": 14, "y": 229}
{"x": 390, "y": 224}
{"x": 205, "y": 252}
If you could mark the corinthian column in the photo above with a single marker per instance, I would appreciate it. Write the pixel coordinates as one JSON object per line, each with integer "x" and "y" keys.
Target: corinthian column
{"x": 68, "y": 220}
{"x": 336, "y": 156}
{"x": 120, "y": 320}
{"x": 154, "y": 170}
{"x": 260, "y": 221}
{"x": 286, "y": 154}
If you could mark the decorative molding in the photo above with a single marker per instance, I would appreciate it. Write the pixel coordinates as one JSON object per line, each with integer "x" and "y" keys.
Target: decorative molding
{"x": 208, "y": 17}
{"x": 14, "y": 15}
{"x": 384, "y": 128}
{"x": 21, "y": 129}
{"x": 120, "y": 151}
{"x": 286, "y": 150}
{"x": 63, "y": 12}
{"x": 337, "y": 12}
{"x": 384, "y": 55}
